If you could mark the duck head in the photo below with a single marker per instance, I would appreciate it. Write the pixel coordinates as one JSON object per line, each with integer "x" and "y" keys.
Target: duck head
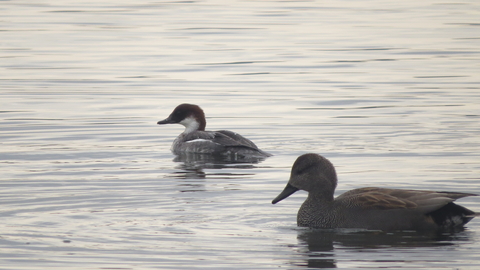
{"x": 312, "y": 173}
{"x": 189, "y": 115}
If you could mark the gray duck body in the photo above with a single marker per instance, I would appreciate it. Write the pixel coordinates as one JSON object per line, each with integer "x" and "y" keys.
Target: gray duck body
{"x": 369, "y": 208}
{"x": 196, "y": 140}
{"x": 221, "y": 142}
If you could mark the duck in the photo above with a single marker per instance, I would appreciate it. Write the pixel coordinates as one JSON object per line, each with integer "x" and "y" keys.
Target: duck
{"x": 370, "y": 208}
{"x": 195, "y": 139}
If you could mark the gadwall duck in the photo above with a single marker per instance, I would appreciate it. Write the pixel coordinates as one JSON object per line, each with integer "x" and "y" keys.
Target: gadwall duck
{"x": 369, "y": 208}
{"x": 196, "y": 140}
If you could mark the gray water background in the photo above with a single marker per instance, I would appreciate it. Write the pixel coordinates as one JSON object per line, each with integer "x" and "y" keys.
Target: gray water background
{"x": 389, "y": 91}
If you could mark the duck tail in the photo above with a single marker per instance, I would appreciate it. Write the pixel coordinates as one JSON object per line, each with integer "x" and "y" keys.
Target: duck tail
{"x": 452, "y": 216}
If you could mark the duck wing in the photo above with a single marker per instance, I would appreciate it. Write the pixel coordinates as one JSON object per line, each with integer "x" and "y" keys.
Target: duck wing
{"x": 220, "y": 142}
{"x": 223, "y": 137}
{"x": 375, "y": 200}
{"x": 382, "y": 198}
{"x": 230, "y": 138}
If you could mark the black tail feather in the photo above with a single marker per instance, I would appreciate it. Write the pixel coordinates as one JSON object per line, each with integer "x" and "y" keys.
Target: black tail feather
{"x": 452, "y": 216}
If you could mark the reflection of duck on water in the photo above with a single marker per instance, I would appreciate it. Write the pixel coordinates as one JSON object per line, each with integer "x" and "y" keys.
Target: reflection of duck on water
{"x": 192, "y": 165}
{"x": 369, "y": 208}
{"x": 318, "y": 245}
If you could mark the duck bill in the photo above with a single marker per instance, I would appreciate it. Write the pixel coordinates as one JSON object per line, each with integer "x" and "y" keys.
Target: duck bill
{"x": 165, "y": 121}
{"x": 287, "y": 191}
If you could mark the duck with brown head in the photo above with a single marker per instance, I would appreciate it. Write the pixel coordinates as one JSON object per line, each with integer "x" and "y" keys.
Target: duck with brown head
{"x": 195, "y": 139}
{"x": 369, "y": 208}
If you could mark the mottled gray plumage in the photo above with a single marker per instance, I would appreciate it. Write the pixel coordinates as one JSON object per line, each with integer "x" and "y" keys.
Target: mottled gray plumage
{"x": 369, "y": 208}
{"x": 196, "y": 140}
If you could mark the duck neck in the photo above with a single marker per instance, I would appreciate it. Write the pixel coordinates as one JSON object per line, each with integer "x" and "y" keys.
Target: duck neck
{"x": 323, "y": 196}
{"x": 191, "y": 124}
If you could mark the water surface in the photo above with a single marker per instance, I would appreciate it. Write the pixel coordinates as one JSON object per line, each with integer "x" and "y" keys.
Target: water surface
{"x": 388, "y": 91}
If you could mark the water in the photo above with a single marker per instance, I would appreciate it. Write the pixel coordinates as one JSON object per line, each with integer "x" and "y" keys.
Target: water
{"x": 387, "y": 90}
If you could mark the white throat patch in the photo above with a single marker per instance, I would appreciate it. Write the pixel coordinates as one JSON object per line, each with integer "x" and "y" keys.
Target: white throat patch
{"x": 190, "y": 123}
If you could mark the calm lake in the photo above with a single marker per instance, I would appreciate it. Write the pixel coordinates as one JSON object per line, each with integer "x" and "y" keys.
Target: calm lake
{"x": 389, "y": 91}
